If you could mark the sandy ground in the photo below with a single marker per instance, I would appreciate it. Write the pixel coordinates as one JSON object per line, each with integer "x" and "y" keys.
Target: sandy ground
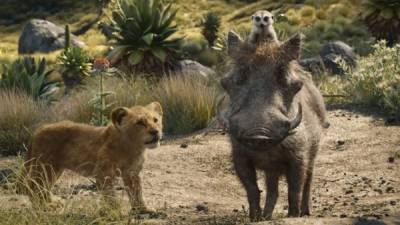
{"x": 357, "y": 179}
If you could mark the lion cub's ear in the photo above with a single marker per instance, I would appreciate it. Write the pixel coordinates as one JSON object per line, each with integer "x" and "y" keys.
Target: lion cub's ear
{"x": 117, "y": 115}
{"x": 156, "y": 106}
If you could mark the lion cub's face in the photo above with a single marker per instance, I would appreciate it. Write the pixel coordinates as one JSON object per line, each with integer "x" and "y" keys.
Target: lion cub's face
{"x": 142, "y": 123}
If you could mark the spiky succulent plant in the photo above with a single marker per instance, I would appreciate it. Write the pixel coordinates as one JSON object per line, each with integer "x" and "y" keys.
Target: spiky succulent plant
{"x": 142, "y": 35}
{"x": 383, "y": 19}
{"x": 211, "y": 23}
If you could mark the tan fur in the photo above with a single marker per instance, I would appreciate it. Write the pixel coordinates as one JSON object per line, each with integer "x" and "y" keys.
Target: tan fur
{"x": 262, "y": 31}
{"x": 103, "y": 152}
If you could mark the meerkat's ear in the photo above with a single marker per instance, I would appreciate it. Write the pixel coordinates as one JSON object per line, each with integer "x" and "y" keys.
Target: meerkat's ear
{"x": 234, "y": 42}
{"x": 117, "y": 115}
{"x": 291, "y": 49}
{"x": 156, "y": 106}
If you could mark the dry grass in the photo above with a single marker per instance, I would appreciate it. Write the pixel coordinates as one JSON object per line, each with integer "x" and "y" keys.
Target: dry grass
{"x": 188, "y": 102}
{"x": 19, "y": 115}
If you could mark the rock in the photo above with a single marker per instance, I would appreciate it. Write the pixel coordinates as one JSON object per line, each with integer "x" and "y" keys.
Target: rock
{"x": 202, "y": 207}
{"x": 391, "y": 159}
{"x": 332, "y": 51}
{"x": 392, "y": 202}
{"x": 43, "y": 36}
{"x": 315, "y": 65}
{"x": 184, "y": 145}
{"x": 340, "y": 142}
{"x": 190, "y": 67}
{"x": 5, "y": 174}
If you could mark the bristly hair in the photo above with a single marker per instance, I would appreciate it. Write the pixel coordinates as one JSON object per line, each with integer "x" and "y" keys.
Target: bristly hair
{"x": 262, "y": 54}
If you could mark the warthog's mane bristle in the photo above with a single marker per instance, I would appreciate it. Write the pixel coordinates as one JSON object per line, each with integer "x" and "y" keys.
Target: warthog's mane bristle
{"x": 258, "y": 55}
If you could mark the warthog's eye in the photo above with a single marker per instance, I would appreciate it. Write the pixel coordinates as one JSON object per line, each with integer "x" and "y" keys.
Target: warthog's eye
{"x": 141, "y": 123}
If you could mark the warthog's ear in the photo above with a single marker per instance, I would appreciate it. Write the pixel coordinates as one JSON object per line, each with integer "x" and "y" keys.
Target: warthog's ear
{"x": 291, "y": 49}
{"x": 234, "y": 42}
{"x": 156, "y": 106}
{"x": 117, "y": 115}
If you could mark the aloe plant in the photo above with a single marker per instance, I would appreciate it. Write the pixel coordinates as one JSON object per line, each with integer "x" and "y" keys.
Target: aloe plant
{"x": 383, "y": 19}
{"x": 142, "y": 37}
{"x": 75, "y": 63}
{"x": 31, "y": 77}
{"x": 211, "y": 23}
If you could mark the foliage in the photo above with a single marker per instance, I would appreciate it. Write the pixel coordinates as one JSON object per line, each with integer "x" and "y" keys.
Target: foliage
{"x": 383, "y": 19}
{"x": 211, "y": 23}
{"x": 99, "y": 118}
{"x": 143, "y": 30}
{"x": 30, "y": 77}
{"x": 19, "y": 115}
{"x": 75, "y": 63}
{"x": 188, "y": 102}
{"x": 377, "y": 82}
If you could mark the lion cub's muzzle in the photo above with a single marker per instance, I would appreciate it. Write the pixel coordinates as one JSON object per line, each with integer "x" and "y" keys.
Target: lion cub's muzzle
{"x": 154, "y": 139}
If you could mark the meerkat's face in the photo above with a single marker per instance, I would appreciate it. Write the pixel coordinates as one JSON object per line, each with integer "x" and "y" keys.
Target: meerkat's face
{"x": 262, "y": 19}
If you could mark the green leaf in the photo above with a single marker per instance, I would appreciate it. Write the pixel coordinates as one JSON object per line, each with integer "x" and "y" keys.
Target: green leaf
{"x": 160, "y": 53}
{"x": 387, "y": 13}
{"x": 148, "y": 38}
{"x": 118, "y": 52}
{"x": 136, "y": 57}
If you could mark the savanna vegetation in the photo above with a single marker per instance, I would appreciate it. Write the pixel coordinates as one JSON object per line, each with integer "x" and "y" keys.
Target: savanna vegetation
{"x": 139, "y": 45}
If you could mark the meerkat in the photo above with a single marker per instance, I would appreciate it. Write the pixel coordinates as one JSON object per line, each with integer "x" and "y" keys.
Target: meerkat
{"x": 262, "y": 28}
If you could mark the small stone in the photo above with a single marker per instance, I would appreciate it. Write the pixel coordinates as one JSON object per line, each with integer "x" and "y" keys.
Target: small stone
{"x": 389, "y": 189}
{"x": 184, "y": 145}
{"x": 202, "y": 207}
{"x": 391, "y": 159}
{"x": 343, "y": 215}
{"x": 235, "y": 210}
{"x": 392, "y": 202}
{"x": 348, "y": 192}
{"x": 340, "y": 142}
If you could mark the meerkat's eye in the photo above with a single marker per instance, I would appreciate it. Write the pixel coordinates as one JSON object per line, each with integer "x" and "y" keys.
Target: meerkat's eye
{"x": 266, "y": 18}
{"x": 257, "y": 18}
{"x": 155, "y": 120}
{"x": 141, "y": 123}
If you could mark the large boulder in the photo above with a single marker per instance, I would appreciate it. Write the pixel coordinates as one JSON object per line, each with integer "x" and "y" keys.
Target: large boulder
{"x": 43, "y": 36}
{"x": 334, "y": 50}
{"x": 194, "y": 68}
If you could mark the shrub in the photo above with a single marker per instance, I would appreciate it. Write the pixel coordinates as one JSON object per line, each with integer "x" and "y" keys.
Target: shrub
{"x": 377, "y": 82}
{"x": 142, "y": 37}
{"x": 75, "y": 63}
{"x": 211, "y": 23}
{"x": 19, "y": 115}
{"x": 383, "y": 19}
{"x": 188, "y": 102}
{"x": 31, "y": 77}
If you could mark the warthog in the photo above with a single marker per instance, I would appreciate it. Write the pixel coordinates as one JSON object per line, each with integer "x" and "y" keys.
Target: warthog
{"x": 275, "y": 119}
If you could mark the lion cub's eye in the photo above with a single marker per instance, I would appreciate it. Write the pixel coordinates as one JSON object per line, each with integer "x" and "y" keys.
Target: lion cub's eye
{"x": 155, "y": 120}
{"x": 141, "y": 123}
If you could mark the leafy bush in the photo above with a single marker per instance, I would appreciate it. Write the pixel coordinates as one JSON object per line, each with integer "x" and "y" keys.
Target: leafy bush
{"x": 377, "y": 82}
{"x": 31, "y": 77}
{"x": 211, "y": 23}
{"x": 19, "y": 115}
{"x": 75, "y": 63}
{"x": 188, "y": 102}
{"x": 142, "y": 37}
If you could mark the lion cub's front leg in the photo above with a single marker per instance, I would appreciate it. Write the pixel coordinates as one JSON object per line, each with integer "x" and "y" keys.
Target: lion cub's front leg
{"x": 133, "y": 186}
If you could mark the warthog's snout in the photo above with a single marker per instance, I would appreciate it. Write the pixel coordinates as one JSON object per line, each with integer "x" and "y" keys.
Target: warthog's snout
{"x": 262, "y": 137}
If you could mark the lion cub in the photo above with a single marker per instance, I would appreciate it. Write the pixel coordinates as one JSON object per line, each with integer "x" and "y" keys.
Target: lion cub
{"x": 102, "y": 152}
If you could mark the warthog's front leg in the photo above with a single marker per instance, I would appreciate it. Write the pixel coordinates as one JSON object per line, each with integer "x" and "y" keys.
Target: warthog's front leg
{"x": 295, "y": 179}
{"x": 133, "y": 185}
{"x": 272, "y": 181}
{"x": 247, "y": 175}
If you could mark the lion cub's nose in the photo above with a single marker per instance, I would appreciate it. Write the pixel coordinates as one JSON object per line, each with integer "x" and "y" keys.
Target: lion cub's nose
{"x": 155, "y": 134}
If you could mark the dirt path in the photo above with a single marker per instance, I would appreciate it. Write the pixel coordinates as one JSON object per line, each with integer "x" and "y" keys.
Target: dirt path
{"x": 357, "y": 174}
